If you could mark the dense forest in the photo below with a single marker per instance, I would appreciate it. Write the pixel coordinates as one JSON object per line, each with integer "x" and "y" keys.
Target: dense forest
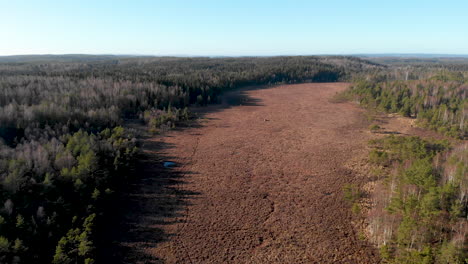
{"x": 422, "y": 63}
{"x": 438, "y": 104}
{"x": 65, "y": 152}
{"x": 433, "y": 91}
{"x": 420, "y": 201}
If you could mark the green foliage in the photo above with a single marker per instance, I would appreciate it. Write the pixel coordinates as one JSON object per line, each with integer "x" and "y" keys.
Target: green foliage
{"x": 20, "y": 222}
{"x": 427, "y": 207}
{"x": 77, "y": 245}
{"x": 18, "y": 247}
{"x": 440, "y": 104}
{"x": 4, "y": 245}
{"x": 166, "y": 119}
{"x": 341, "y": 97}
{"x": 447, "y": 76}
{"x": 351, "y": 193}
{"x": 398, "y": 149}
{"x": 449, "y": 253}
{"x": 421, "y": 174}
{"x": 356, "y": 208}
{"x": 378, "y": 157}
{"x": 374, "y": 128}
{"x": 64, "y": 203}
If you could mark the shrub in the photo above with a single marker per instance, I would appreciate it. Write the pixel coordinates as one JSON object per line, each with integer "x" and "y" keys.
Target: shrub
{"x": 374, "y": 128}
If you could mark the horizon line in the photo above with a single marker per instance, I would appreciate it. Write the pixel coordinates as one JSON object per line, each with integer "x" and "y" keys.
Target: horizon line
{"x": 380, "y": 54}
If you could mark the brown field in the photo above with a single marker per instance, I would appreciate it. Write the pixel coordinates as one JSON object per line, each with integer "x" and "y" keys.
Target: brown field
{"x": 259, "y": 180}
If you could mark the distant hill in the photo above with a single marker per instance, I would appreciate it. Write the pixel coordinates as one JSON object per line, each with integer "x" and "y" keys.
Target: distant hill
{"x": 59, "y": 58}
{"x": 410, "y": 55}
{"x": 84, "y": 58}
{"x": 54, "y": 63}
{"x": 429, "y": 60}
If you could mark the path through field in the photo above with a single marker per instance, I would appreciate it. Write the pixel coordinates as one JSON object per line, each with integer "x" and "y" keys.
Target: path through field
{"x": 259, "y": 181}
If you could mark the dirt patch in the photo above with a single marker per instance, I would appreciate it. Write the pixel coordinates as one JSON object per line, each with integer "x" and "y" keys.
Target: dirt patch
{"x": 399, "y": 125}
{"x": 259, "y": 181}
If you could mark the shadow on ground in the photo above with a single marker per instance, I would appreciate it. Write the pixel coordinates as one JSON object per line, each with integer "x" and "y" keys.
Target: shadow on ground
{"x": 156, "y": 197}
{"x": 157, "y": 194}
{"x": 233, "y": 98}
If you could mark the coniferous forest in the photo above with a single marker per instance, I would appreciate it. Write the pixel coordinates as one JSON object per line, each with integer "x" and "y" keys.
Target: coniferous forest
{"x": 66, "y": 152}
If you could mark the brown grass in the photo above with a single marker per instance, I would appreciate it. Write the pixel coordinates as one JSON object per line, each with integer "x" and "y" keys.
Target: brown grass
{"x": 260, "y": 181}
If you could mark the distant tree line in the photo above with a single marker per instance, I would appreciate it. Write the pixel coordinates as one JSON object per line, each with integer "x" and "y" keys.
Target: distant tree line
{"x": 423, "y": 64}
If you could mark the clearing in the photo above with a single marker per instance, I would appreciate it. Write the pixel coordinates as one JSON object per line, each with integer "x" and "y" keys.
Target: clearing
{"x": 259, "y": 180}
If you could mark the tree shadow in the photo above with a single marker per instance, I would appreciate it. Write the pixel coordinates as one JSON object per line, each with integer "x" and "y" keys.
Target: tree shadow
{"x": 230, "y": 99}
{"x": 389, "y": 132}
{"x": 156, "y": 196}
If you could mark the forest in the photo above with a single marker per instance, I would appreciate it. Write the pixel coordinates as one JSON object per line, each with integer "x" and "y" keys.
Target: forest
{"x": 439, "y": 103}
{"x": 65, "y": 152}
{"x": 420, "y": 207}
{"x": 420, "y": 203}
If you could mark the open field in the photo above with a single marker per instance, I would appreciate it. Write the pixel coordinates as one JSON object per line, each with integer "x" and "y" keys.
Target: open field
{"x": 259, "y": 181}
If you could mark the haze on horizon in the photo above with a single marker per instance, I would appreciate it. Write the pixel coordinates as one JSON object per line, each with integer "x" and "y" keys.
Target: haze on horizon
{"x": 214, "y": 28}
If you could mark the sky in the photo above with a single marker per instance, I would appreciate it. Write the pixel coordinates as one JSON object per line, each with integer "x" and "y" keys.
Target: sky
{"x": 234, "y": 27}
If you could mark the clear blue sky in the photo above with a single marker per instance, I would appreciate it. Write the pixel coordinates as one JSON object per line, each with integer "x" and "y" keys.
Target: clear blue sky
{"x": 234, "y": 27}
